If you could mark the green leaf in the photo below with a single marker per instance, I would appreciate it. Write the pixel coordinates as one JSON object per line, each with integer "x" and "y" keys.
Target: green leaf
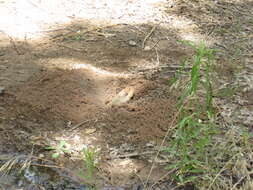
{"x": 188, "y": 179}
{"x": 55, "y": 155}
{"x": 172, "y": 166}
{"x": 65, "y": 150}
{"x": 49, "y": 148}
{"x": 62, "y": 143}
{"x": 197, "y": 171}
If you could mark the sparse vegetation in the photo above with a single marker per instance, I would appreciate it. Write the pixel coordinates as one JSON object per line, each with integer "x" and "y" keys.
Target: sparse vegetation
{"x": 202, "y": 150}
{"x": 58, "y": 150}
{"x": 90, "y": 163}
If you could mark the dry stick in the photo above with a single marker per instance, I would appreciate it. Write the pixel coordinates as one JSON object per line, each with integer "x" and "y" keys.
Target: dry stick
{"x": 155, "y": 44}
{"x": 140, "y": 179}
{"x": 134, "y": 154}
{"x": 72, "y": 48}
{"x": 157, "y": 57}
{"x": 28, "y": 161}
{"x": 161, "y": 178}
{"x": 163, "y": 141}
{"x": 78, "y": 125}
{"x": 29, "y": 157}
{"x": 149, "y": 34}
{"x": 234, "y": 186}
{"x": 14, "y": 45}
{"x": 211, "y": 31}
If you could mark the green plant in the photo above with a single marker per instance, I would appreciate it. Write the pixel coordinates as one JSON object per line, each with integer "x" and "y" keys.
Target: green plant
{"x": 78, "y": 37}
{"x": 193, "y": 133}
{"x": 204, "y": 151}
{"x": 90, "y": 163}
{"x": 178, "y": 73}
{"x": 188, "y": 148}
{"x": 60, "y": 149}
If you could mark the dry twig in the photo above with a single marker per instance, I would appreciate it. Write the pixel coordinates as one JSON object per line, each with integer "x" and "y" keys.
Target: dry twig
{"x": 72, "y": 48}
{"x": 148, "y": 35}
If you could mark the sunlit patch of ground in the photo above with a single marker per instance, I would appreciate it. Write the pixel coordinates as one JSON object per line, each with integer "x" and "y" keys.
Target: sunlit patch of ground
{"x": 29, "y": 19}
{"x": 76, "y": 64}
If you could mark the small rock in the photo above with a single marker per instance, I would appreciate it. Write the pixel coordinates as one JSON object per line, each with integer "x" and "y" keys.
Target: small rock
{"x": 150, "y": 144}
{"x": 69, "y": 123}
{"x": 2, "y": 89}
{"x": 132, "y": 43}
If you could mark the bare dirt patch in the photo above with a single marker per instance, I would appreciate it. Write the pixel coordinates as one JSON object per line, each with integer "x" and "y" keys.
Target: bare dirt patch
{"x": 70, "y": 76}
{"x": 70, "y": 81}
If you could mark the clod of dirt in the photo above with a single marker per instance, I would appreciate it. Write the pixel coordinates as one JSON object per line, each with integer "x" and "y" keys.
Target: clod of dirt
{"x": 123, "y": 96}
{"x": 147, "y": 48}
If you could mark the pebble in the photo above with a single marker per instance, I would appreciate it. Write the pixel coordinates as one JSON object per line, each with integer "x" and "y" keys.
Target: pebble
{"x": 132, "y": 43}
{"x": 150, "y": 144}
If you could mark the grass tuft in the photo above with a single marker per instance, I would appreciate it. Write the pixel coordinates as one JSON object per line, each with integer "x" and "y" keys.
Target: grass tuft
{"x": 203, "y": 151}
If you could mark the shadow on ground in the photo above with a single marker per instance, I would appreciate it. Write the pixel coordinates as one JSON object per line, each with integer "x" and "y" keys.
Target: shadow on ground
{"x": 70, "y": 77}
